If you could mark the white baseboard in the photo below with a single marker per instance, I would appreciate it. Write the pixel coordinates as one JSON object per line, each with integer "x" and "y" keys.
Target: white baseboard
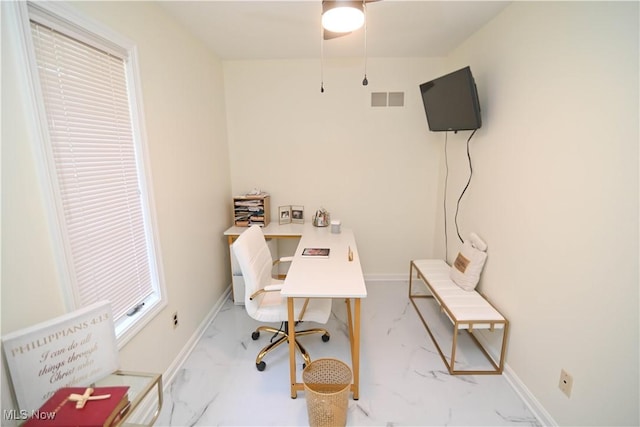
{"x": 541, "y": 414}
{"x": 404, "y": 278}
{"x": 529, "y": 399}
{"x": 518, "y": 386}
{"x": 177, "y": 363}
{"x": 149, "y": 406}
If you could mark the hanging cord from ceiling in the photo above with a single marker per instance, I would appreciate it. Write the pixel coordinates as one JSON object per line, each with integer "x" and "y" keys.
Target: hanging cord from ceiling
{"x": 466, "y": 186}
{"x": 365, "y": 81}
{"x": 321, "y": 59}
{"x": 364, "y": 9}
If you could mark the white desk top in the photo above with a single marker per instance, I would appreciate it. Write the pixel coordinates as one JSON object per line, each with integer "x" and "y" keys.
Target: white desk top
{"x": 273, "y": 229}
{"x": 333, "y": 277}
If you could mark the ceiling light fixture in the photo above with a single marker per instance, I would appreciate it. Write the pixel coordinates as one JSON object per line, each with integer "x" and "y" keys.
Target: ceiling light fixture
{"x": 342, "y": 16}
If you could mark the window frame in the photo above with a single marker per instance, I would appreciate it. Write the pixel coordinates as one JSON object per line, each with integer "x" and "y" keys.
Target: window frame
{"x": 86, "y": 30}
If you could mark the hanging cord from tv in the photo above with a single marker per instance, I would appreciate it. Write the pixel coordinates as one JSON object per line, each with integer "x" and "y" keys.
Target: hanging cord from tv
{"x": 446, "y": 180}
{"x": 466, "y": 186}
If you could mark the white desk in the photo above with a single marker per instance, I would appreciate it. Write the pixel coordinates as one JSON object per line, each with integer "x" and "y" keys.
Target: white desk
{"x": 333, "y": 277}
{"x": 272, "y": 230}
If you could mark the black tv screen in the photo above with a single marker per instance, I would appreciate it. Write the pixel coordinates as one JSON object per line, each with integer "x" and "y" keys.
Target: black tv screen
{"x": 451, "y": 102}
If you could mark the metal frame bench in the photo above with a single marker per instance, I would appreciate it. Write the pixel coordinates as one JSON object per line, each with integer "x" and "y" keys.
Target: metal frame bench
{"x": 467, "y": 310}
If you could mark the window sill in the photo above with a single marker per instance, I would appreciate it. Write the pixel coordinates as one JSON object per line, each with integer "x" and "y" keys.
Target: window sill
{"x": 129, "y": 327}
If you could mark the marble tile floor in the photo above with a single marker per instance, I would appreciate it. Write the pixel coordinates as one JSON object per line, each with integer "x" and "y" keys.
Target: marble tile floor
{"x": 403, "y": 381}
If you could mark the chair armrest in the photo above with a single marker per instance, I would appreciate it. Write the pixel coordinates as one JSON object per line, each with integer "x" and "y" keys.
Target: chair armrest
{"x": 268, "y": 288}
{"x": 278, "y": 261}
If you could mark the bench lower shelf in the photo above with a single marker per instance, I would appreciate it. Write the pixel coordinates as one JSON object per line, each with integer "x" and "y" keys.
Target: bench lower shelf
{"x": 481, "y": 316}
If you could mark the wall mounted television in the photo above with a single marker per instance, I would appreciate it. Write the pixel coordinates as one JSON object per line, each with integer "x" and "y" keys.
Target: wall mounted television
{"x": 451, "y": 102}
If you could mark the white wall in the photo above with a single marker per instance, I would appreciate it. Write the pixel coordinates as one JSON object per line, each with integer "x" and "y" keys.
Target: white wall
{"x": 555, "y": 195}
{"x": 374, "y": 168}
{"x": 554, "y": 191}
{"x": 555, "y": 188}
{"x": 182, "y": 89}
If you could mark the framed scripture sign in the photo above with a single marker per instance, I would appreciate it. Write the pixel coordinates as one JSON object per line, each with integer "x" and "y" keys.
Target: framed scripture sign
{"x": 75, "y": 349}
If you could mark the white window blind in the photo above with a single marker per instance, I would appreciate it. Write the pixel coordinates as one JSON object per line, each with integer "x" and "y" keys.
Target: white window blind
{"x": 94, "y": 152}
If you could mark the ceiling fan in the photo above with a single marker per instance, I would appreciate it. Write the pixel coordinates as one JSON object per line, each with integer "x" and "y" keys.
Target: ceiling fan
{"x": 342, "y": 17}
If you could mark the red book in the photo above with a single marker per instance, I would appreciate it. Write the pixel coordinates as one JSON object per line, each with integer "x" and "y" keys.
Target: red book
{"x": 60, "y": 410}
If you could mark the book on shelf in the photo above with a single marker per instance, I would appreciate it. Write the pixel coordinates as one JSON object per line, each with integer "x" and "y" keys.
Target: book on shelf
{"x": 316, "y": 252}
{"x": 248, "y": 203}
{"x": 98, "y": 411}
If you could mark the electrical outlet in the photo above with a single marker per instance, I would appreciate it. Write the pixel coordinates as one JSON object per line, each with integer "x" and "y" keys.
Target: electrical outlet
{"x": 566, "y": 382}
{"x": 175, "y": 320}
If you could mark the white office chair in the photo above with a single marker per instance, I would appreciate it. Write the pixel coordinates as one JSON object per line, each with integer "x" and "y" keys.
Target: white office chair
{"x": 263, "y": 301}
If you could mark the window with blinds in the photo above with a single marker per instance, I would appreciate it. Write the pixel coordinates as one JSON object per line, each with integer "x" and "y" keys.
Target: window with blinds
{"x": 98, "y": 179}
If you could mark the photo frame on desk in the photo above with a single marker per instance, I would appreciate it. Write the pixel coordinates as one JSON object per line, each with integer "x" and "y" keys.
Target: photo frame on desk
{"x": 297, "y": 214}
{"x": 284, "y": 215}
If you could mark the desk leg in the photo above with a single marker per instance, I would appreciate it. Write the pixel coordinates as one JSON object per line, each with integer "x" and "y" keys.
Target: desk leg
{"x": 356, "y": 351}
{"x": 354, "y": 343}
{"x": 292, "y": 348}
{"x": 350, "y": 326}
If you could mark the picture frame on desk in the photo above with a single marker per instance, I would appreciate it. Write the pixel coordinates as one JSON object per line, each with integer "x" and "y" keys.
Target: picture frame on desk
{"x": 284, "y": 214}
{"x": 297, "y": 214}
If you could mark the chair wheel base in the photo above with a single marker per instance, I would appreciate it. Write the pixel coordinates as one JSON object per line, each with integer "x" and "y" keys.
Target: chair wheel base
{"x": 255, "y": 335}
{"x": 325, "y": 337}
{"x": 260, "y": 366}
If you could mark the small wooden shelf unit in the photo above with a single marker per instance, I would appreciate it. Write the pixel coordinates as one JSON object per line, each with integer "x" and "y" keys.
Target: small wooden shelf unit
{"x": 250, "y": 210}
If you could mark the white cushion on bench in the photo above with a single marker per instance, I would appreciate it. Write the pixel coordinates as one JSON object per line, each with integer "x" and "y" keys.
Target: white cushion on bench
{"x": 465, "y": 306}
{"x": 469, "y": 262}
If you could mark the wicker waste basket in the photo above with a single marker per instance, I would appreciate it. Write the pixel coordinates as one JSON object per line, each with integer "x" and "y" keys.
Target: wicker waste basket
{"x": 327, "y": 383}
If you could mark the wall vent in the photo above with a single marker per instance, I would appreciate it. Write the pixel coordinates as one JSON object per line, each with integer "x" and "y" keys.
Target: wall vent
{"x": 387, "y": 99}
{"x": 378, "y": 99}
{"x": 396, "y": 99}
